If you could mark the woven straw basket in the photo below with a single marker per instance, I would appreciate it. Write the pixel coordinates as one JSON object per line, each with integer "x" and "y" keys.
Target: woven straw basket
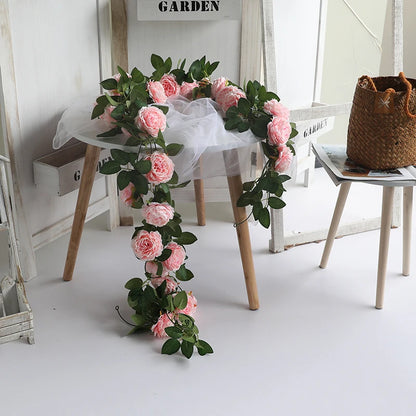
{"x": 382, "y": 125}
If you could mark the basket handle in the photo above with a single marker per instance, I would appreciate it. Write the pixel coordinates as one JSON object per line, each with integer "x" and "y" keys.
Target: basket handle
{"x": 366, "y": 81}
{"x": 408, "y": 92}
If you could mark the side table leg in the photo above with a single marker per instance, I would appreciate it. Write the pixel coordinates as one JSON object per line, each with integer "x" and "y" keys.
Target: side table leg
{"x": 407, "y": 227}
{"x": 386, "y": 217}
{"x": 87, "y": 179}
{"x": 332, "y": 232}
{"x": 200, "y": 201}
{"x": 235, "y": 186}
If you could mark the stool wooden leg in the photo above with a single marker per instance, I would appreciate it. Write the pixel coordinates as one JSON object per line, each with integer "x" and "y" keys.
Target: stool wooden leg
{"x": 336, "y": 217}
{"x": 200, "y": 201}
{"x": 87, "y": 179}
{"x": 407, "y": 227}
{"x": 386, "y": 217}
{"x": 243, "y": 235}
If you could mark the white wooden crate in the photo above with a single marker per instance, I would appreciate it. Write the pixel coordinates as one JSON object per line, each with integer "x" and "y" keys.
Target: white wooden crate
{"x": 60, "y": 172}
{"x": 16, "y": 318}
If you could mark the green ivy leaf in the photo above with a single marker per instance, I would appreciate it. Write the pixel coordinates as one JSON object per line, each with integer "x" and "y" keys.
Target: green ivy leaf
{"x": 173, "y": 149}
{"x": 203, "y": 347}
{"x": 257, "y": 207}
{"x": 186, "y": 238}
{"x": 140, "y": 183}
{"x": 123, "y": 179}
{"x": 187, "y": 349}
{"x": 276, "y": 203}
{"x": 120, "y": 156}
{"x": 247, "y": 186}
{"x": 118, "y": 112}
{"x": 244, "y": 106}
{"x": 264, "y": 217}
{"x": 171, "y": 346}
{"x": 174, "y": 179}
{"x": 180, "y": 300}
{"x": 157, "y": 61}
{"x": 109, "y": 84}
{"x": 98, "y": 110}
{"x": 232, "y": 123}
{"x": 110, "y": 167}
{"x": 137, "y": 76}
{"x": 143, "y": 166}
{"x": 138, "y": 319}
{"x": 173, "y": 332}
{"x": 165, "y": 255}
{"x": 134, "y": 283}
{"x": 110, "y": 133}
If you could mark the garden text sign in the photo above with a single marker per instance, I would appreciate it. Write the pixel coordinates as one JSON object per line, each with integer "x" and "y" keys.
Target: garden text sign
{"x": 155, "y": 10}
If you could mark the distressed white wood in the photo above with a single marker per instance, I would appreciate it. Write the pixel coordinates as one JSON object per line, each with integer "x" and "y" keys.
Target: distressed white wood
{"x": 407, "y": 228}
{"x": 12, "y": 136}
{"x": 63, "y": 226}
{"x": 397, "y": 10}
{"x": 31, "y": 126}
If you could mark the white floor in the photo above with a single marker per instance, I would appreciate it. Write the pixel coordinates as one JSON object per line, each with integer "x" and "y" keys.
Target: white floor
{"x": 317, "y": 346}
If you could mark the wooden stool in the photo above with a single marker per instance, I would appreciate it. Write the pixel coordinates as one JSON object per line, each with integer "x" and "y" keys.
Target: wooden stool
{"x": 235, "y": 187}
{"x": 386, "y": 218}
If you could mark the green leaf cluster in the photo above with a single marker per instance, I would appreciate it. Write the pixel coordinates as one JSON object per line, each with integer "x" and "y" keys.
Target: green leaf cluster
{"x": 184, "y": 336}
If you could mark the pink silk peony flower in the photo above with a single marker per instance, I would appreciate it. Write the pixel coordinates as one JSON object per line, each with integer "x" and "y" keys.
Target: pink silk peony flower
{"x": 278, "y": 131}
{"x": 147, "y": 245}
{"x": 158, "y": 328}
{"x": 162, "y": 168}
{"x": 190, "y": 307}
{"x": 127, "y": 194}
{"x": 151, "y": 267}
{"x": 106, "y": 116}
{"x": 176, "y": 258}
{"x": 229, "y": 96}
{"x": 187, "y": 88}
{"x": 217, "y": 86}
{"x": 158, "y": 214}
{"x": 151, "y": 120}
{"x": 284, "y": 160}
{"x": 170, "y": 284}
{"x": 171, "y": 87}
{"x": 157, "y": 92}
{"x": 274, "y": 108}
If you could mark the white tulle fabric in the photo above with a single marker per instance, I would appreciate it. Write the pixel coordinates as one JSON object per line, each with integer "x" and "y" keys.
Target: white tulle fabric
{"x": 198, "y": 125}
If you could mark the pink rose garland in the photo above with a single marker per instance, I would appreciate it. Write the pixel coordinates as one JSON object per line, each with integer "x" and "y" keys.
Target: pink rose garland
{"x": 147, "y": 245}
{"x": 157, "y": 92}
{"x": 162, "y": 168}
{"x": 151, "y": 120}
{"x": 274, "y": 108}
{"x": 151, "y": 267}
{"x": 229, "y": 96}
{"x": 278, "y": 131}
{"x": 158, "y": 214}
{"x": 171, "y": 87}
{"x": 187, "y": 89}
{"x": 177, "y": 257}
{"x": 127, "y": 194}
{"x": 284, "y": 160}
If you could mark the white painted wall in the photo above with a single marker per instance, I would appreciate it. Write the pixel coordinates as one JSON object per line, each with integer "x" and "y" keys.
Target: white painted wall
{"x": 351, "y": 51}
{"x": 218, "y": 40}
{"x": 55, "y": 47}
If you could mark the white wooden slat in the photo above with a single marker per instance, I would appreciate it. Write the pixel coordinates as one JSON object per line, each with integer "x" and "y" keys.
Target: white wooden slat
{"x": 397, "y": 10}
{"x": 55, "y": 231}
{"x": 311, "y": 113}
{"x": 13, "y": 138}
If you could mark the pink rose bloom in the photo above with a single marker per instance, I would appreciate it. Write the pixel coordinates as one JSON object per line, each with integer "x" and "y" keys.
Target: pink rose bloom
{"x": 278, "y": 131}
{"x": 151, "y": 267}
{"x": 274, "y": 108}
{"x": 176, "y": 258}
{"x": 158, "y": 328}
{"x": 147, "y": 245}
{"x": 127, "y": 194}
{"x": 106, "y": 116}
{"x": 158, "y": 214}
{"x": 157, "y": 92}
{"x": 187, "y": 88}
{"x": 217, "y": 86}
{"x": 229, "y": 97}
{"x": 170, "y": 284}
{"x": 162, "y": 168}
{"x": 151, "y": 120}
{"x": 190, "y": 307}
{"x": 284, "y": 160}
{"x": 171, "y": 87}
